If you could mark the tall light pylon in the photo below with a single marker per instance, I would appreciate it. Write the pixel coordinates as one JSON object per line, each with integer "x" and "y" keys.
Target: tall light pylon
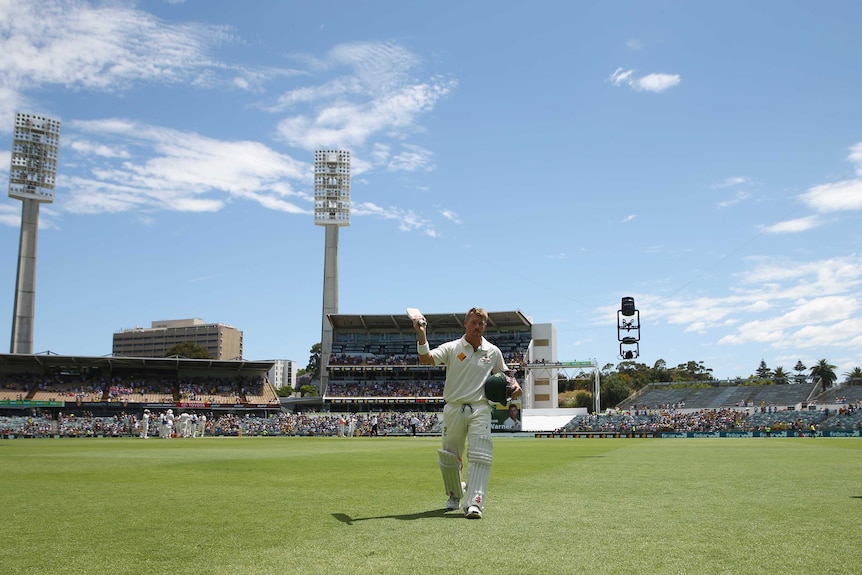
{"x": 331, "y": 210}
{"x": 32, "y": 175}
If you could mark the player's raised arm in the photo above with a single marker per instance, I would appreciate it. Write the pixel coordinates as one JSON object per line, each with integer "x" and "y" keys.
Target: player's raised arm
{"x": 420, "y": 325}
{"x": 422, "y": 347}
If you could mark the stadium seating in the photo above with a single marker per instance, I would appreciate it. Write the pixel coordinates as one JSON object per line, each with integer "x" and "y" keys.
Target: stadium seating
{"x": 720, "y": 395}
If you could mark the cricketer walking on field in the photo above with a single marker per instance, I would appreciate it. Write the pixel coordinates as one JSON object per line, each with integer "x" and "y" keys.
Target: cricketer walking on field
{"x": 469, "y": 361}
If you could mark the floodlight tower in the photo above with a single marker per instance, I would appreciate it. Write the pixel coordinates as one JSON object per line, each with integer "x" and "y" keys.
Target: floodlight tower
{"x": 31, "y": 179}
{"x": 331, "y": 210}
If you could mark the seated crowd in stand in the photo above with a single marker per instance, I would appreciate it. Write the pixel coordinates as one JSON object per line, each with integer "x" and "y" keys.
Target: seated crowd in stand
{"x": 401, "y": 359}
{"x": 712, "y": 420}
{"x": 306, "y": 424}
{"x": 847, "y": 418}
{"x": 134, "y": 388}
{"x": 399, "y": 350}
{"x": 384, "y": 388}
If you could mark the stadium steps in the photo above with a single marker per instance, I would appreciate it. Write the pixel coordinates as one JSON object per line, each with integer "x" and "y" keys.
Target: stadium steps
{"x": 727, "y": 396}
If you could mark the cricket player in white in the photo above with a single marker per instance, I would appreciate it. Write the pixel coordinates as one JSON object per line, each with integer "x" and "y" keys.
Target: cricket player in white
{"x": 184, "y": 429}
{"x": 145, "y": 424}
{"x": 467, "y": 413}
{"x": 167, "y": 424}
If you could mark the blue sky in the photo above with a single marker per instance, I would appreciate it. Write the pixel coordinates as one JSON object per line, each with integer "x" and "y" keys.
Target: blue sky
{"x": 551, "y": 157}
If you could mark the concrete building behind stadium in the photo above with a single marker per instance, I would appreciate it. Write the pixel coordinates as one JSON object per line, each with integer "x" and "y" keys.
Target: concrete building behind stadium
{"x": 221, "y": 341}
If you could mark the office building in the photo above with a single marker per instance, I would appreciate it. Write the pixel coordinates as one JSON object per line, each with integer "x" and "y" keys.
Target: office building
{"x": 221, "y": 341}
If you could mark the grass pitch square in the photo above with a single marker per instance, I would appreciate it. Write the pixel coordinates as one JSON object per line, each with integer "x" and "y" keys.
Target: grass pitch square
{"x": 375, "y": 505}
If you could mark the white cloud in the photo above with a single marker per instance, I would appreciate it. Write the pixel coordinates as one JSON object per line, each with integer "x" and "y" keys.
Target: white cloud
{"x": 777, "y": 302}
{"x": 348, "y": 125}
{"x": 818, "y": 315}
{"x": 732, "y": 181}
{"x": 412, "y": 158}
{"x": 837, "y": 196}
{"x": 451, "y": 216}
{"x": 356, "y": 93}
{"x": 380, "y": 153}
{"x": 106, "y": 48}
{"x": 88, "y": 148}
{"x": 169, "y": 169}
{"x": 655, "y": 82}
{"x": 738, "y": 197}
{"x": 794, "y": 226}
{"x": 408, "y": 220}
{"x": 856, "y": 157}
{"x": 375, "y": 94}
{"x": 621, "y": 76}
{"x": 10, "y": 214}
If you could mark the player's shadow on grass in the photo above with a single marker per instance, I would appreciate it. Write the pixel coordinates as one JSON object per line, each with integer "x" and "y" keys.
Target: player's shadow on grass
{"x": 434, "y": 513}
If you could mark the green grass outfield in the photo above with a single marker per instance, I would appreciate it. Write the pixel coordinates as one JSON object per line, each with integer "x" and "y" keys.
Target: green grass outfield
{"x": 334, "y": 506}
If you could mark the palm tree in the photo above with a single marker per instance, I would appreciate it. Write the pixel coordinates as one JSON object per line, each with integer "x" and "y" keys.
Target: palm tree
{"x": 778, "y": 376}
{"x": 824, "y": 372}
{"x": 853, "y": 377}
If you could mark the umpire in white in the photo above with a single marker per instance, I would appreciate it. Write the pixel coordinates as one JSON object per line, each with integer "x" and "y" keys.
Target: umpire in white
{"x": 469, "y": 361}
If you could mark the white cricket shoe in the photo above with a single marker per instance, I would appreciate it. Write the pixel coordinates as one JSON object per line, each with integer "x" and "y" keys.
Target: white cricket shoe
{"x": 453, "y": 504}
{"x": 473, "y": 512}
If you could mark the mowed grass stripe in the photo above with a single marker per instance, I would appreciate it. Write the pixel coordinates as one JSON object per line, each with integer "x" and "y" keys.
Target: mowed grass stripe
{"x": 374, "y": 505}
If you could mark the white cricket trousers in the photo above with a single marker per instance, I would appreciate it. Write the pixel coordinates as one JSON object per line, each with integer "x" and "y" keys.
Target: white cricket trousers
{"x": 461, "y": 422}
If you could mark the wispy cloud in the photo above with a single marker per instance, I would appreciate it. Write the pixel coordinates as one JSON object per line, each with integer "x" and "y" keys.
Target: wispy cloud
{"x": 738, "y": 197}
{"x": 451, "y": 216}
{"x": 796, "y": 305}
{"x": 856, "y": 157}
{"x": 87, "y": 148}
{"x": 844, "y": 195}
{"x": 167, "y": 169}
{"x": 412, "y": 158}
{"x": 375, "y": 95}
{"x": 655, "y": 82}
{"x": 408, "y": 220}
{"x": 732, "y": 181}
{"x": 10, "y": 214}
{"x": 834, "y": 197}
{"x": 362, "y": 96}
{"x": 104, "y": 48}
{"x": 794, "y": 226}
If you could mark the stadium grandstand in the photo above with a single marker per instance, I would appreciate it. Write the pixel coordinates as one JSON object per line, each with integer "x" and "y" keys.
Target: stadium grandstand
{"x": 374, "y": 365}
{"x": 727, "y": 407}
{"x": 374, "y": 376}
{"x": 721, "y": 394}
{"x": 109, "y": 385}
{"x": 376, "y": 386}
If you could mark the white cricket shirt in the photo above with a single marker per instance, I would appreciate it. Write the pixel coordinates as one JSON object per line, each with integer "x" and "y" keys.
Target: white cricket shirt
{"x": 467, "y": 370}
